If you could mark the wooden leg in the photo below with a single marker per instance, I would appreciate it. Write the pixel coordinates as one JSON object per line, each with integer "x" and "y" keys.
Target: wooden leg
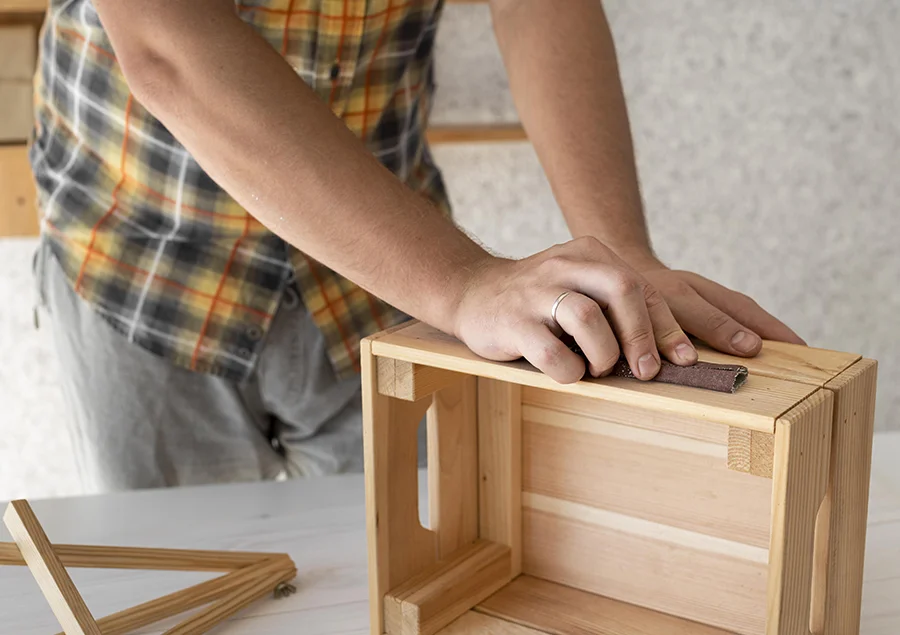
{"x": 398, "y": 546}
{"x": 848, "y": 494}
{"x": 453, "y": 466}
{"x": 500, "y": 465}
{"x": 50, "y": 574}
{"x": 802, "y": 455}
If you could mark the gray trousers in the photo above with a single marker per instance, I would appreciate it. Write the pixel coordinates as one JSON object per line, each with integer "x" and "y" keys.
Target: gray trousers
{"x": 138, "y": 421}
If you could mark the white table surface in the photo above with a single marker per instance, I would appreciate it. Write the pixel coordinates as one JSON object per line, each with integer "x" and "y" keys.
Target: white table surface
{"x": 320, "y": 523}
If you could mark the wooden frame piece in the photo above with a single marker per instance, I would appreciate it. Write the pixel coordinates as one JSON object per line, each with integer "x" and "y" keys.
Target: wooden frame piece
{"x": 251, "y": 576}
{"x": 431, "y": 600}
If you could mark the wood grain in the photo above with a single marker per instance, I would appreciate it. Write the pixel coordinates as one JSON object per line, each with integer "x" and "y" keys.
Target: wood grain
{"x": 473, "y": 623}
{"x": 667, "y": 484}
{"x": 235, "y": 601}
{"x": 751, "y": 452}
{"x": 800, "y": 478}
{"x": 411, "y": 382}
{"x": 673, "y": 571}
{"x": 18, "y": 207}
{"x": 475, "y": 133}
{"x": 561, "y": 610}
{"x": 64, "y": 599}
{"x": 150, "y": 612}
{"x": 630, "y": 415}
{"x": 500, "y": 466}
{"x": 792, "y": 362}
{"x": 453, "y": 466}
{"x": 398, "y": 546}
{"x": 102, "y": 557}
{"x": 432, "y": 599}
{"x": 848, "y": 497}
{"x": 23, "y": 6}
{"x": 755, "y": 406}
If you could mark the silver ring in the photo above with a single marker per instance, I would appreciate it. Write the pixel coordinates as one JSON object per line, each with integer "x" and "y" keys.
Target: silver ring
{"x": 562, "y": 296}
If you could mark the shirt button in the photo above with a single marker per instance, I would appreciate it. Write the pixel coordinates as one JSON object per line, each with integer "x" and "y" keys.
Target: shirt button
{"x": 254, "y": 333}
{"x": 291, "y": 298}
{"x": 335, "y": 71}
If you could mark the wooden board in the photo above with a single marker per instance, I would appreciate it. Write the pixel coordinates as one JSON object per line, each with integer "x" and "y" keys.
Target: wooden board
{"x": 696, "y": 577}
{"x": 475, "y": 133}
{"x": 643, "y": 474}
{"x": 560, "y": 610}
{"x": 751, "y": 452}
{"x": 630, "y": 415}
{"x": 791, "y": 362}
{"x": 23, "y": 6}
{"x": 453, "y": 466}
{"x": 412, "y": 382}
{"x": 500, "y": 466}
{"x": 398, "y": 546}
{"x": 432, "y": 599}
{"x": 800, "y": 478}
{"x": 18, "y": 207}
{"x": 473, "y": 623}
{"x": 64, "y": 599}
{"x": 754, "y": 406}
{"x": 18, "y": 55}
{"x": 848, "y": 495}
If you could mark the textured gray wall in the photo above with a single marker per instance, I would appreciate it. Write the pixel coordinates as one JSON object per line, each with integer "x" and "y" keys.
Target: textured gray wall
{"x": 768, "y": 141}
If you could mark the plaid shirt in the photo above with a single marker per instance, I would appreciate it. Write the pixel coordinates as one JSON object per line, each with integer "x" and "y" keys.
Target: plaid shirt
{"x": 159, "y": 249}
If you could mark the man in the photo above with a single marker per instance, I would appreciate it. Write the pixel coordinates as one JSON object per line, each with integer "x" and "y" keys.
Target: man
{"x": 214, "y": 175}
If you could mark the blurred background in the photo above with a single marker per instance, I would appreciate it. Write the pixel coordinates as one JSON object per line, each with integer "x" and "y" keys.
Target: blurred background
{"x": 768, "y": 142}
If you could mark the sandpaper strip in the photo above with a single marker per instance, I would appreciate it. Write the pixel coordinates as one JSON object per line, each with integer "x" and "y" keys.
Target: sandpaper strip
{"x": 719, "y": 377}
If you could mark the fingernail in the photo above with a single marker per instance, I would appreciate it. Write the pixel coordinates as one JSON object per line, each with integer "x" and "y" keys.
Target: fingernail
{"x": 648, "y": 365}
{"x": 686, "y": 353}
{"x": 744, "y": 342}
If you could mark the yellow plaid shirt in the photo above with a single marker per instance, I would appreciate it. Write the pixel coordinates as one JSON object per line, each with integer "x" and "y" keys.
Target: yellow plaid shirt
{"x": 159, "y": 249}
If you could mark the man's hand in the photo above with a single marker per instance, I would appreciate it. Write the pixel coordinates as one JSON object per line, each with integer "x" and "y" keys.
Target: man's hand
{"x": 504, "y": 313}
{"x": 726, "y": 320}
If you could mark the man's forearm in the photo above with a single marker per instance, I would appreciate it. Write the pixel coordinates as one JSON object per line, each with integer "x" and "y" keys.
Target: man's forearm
{"x": 564, "y": 76}
{"x": 272, "y": 144}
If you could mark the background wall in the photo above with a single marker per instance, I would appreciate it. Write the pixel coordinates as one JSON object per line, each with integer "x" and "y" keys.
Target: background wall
{"x": 768, "y": 136}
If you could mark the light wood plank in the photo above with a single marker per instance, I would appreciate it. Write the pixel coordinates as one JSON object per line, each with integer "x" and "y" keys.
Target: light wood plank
{"x": 453, "y": 466}
{"x": 475, "y": 133}
{"x": 411, "y": 382}
{"x": 434, "y": 598}
{"x": 102, "y": 557}
{"x": 500, "y": 465}
{"x": 792, "y": 362}
{"x": 635, "y": 416}
{"x": 64, "y": 599}
{"x": 848, "y": 494}
{"x": 755, "y": 406}
{"x": 800, "y": 478}
{"x": 663, "y": 569}
{"x": 18, "y": 52}
{"x": 751, "y": 452}
{"x": 398, "y": 546}
{"x": 23, "y": 6}
{"x": 237, "y": 600}
{"x": 18, "y": 207}
{"x": 667, "y": 485}
{"x": 560, "y": 610}
{"x": 472, "y": 623}
{"x": 135, "y": 617}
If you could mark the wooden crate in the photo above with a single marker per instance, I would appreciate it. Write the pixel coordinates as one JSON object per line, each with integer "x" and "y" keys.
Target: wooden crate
{"x": 612, "y": 506}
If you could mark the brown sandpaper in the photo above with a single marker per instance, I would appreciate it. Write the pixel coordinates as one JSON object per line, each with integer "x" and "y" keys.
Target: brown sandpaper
{"x": 718, "y": 377}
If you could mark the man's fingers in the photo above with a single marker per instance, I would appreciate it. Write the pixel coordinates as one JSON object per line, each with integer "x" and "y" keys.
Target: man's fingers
{"x": 582, "y": 318}
{"x": 745, "y": 309}
{"x": 715, "y": 327}
{"x": 548, "y": 354}
{"x": 670, "y": 339}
